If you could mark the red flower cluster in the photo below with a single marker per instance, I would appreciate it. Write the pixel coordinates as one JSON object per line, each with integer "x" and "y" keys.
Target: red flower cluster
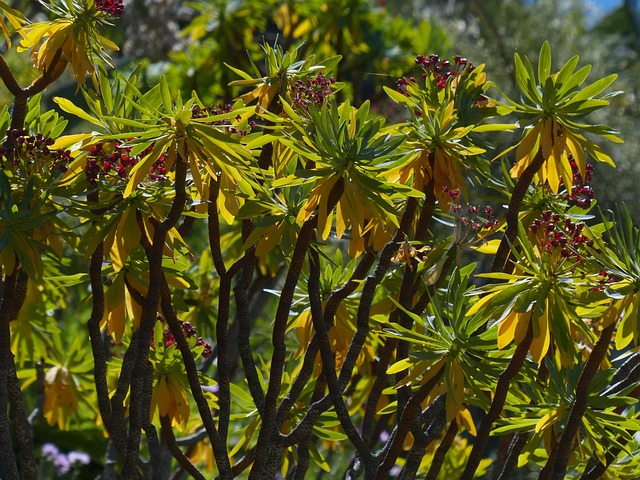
{"x": 581, "y": 194}
{"x": 443, "y": 70}
{"x": 311, "y": 90}
{"x": 118, "y": 164}
{"x": 19, "y": 145}
{"x": 189, "y": 331}
{"x": 555, "y": 233}
{"x": 472, "y": 220}
{"x": 110, "y": 7}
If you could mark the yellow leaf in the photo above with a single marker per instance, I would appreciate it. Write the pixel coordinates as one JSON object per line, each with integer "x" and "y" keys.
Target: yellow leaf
{"x": 134, "y": 310}
{"x": 476, "y": 307}
{"x": 526, "y": 150}
{"x": 116, "y": 322}
{"x": 163, "y": 396}
{"x": 546, "y": 138}
{"x": 507, "y": 328}
{"x": 270, "y": 239}
{"x": 399, "y": 366}
{"x": 577, "y": 152}
{"x": 490, "y": 247}
{"x": 547, "y": 421}
{"x": 141, "y": 169}
{"x": 627, "y": 330}
{"x": 465, "y": 418}
{"x": 522, "y": 327}
{"x": 540, "y": 344}
{"x": 455, "y": 393}
{"x": 303, "y": 28}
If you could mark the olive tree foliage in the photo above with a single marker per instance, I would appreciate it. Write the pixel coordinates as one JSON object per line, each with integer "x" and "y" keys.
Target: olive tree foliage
{"x": 298, "y": 283}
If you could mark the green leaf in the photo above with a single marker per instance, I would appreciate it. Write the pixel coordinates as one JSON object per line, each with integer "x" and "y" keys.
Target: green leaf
{"x": 399, "y": 98}
{"x": 526, "y": 82}
{"x": 166, "y": 95}
{"x": 565, "y": 72}
{"x": 594, "y": 89}
{"x": 575, "y": 80}
{"x": 69, "y": 107}
{"x": 544, "y": 63}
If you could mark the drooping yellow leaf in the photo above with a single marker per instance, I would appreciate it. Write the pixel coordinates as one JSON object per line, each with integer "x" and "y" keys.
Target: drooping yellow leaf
{"x": 547, "y": 138}
{"x": 455, "y": 393}
{"x": 627, "y": 330}
{"x": 522, "y": 327}
{"x": 465, "y": 418}
{"x": 507, "y": 328}
{"x": 526, "y": 150}
{"x": 540, "y": 343}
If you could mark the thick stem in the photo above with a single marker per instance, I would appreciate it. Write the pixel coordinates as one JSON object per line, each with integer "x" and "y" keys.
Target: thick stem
{"x": 500, "y": 396}
{"x": 8, "y": 78}
{"x": 407, "y": 419}
{"x": 269, "y": 428}
{"x": 330, "y": 309}
{"x": 513, "y": 212}
{"x": 219, "y": 449}
{"x": 149, "y": 317}
{"x": 518, "y": 442}
{"x": 241, "y": 295}
{"x": 9, "y": 465}
{"x": 183, "y": 460}
{"x": 368, "y": 292}
{"x": 328, "y": 361}
{"x": 116, "y": 430}
{"x": 580, "y": 403}
{"x": 155, "y": 451}
{"x": 441, "y": 451}
{"x": 434, "y": 416}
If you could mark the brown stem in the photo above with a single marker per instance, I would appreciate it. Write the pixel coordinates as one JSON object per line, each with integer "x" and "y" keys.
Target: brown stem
{"x": 214, "y": 227}
{"x": 56, "y": 68}
{"x": 407, "y": 418}
{"x": 434, "y": 417}
{"x": 8, "y": 78}
{"x": 513, "y": 212}
{"x": 8, "y": 465}
{"x": 518, "y": 442}
{"x": 183, "y": 460}
{"x": 368, "y": 292}
{"x": 117, "y": 431}
{"x": 241, "y": 295}
{"x": 149, "y": 318}
{"x": 500, "y": 396}
{"x": 441, "y": 451}
{"x": 40, "y": 395}
{"x": 278, "y": 359}
{"x": 269, "y": 429}
{"x": 580, "y": 403}
{"x": 155, "y": 452}
{"x": 219, "y": 449}
{"x": 328, "y": 361}
{"x": 330, "y": 309}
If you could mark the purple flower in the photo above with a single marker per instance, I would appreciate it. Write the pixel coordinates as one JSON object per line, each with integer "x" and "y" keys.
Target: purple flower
{"x": 62, "y": 464}
{"x": 80, "y": 458}
{"x": 50, "y": 451}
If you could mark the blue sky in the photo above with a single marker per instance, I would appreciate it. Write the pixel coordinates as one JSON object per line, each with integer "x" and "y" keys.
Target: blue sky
{"x": 598, "y": 8}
